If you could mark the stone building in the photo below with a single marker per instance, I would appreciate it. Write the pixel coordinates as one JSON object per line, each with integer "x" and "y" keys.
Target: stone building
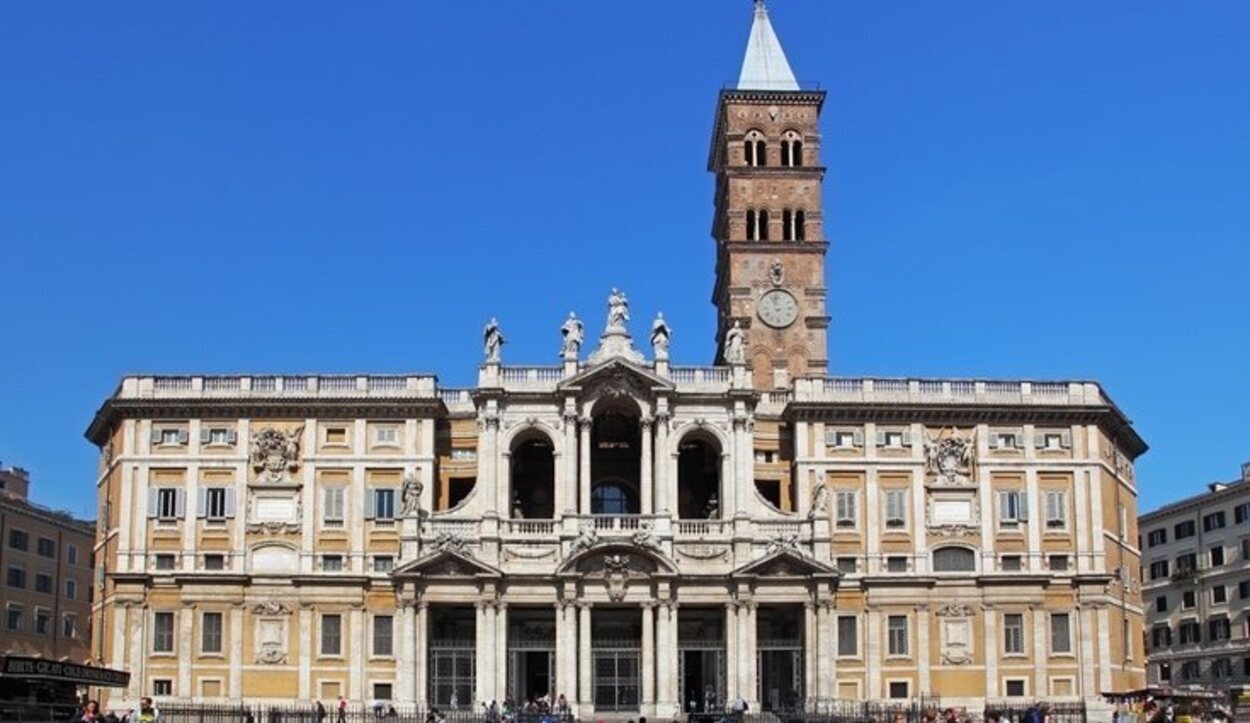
{"x": 636, "y": 535}
{"x": 45, "y": 556}
{"x": 1196, "y": 588}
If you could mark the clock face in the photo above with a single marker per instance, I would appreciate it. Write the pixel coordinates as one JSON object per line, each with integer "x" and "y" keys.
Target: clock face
{"x": 778, "y": 309}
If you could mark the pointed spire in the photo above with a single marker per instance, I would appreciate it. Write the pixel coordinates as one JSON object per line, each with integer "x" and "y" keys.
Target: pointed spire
{"x": 765, "y": 66}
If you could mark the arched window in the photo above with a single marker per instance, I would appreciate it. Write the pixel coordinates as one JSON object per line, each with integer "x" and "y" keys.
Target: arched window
{"x": 612, "y": 498}
{"x": 787, "y": 225}
{"x": 800, "y": 225}
{"x": 615, "y": 461}
{"x": 754, "y": 150}
{"x": 762, "y": 226}
{"x": 954, "y": 559}
{"x": 752, "y": 231}
{"x": 698, "y": 479}
{"x": 533, "y": 480}
{"x": 791, "y": 149}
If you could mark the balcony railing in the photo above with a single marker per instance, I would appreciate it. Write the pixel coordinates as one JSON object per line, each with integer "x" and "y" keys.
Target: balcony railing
{"x": 699, "y": 529}
{"x": 531, "y": 528}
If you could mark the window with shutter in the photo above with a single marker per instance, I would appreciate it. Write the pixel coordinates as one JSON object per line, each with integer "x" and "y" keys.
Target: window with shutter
{"x": 1060, "y": 634}
{"x": 1013, "y": 634}
{"x": 895, "y": 508}
{"x": 845, "y": 508}
{"x": 897, "y": 635}
{"x": 848, "y": 636}
{"x": 384, "y": 504}
{"x": 1056, "y": 509}
{"x": 332, "y": 510}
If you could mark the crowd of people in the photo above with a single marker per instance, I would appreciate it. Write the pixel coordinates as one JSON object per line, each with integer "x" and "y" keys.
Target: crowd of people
{"x": 89, "y": 712}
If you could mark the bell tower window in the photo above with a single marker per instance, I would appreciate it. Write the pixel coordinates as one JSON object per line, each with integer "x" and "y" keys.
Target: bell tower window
{"x": 757, "y": 225}
{"x": 754, "y": 149}
{"x": 791, "y": 149}
{"x": 792, "y": 223}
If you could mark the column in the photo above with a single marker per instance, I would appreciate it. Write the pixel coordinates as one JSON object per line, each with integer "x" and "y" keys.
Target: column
{"x": 306, "y": 644}
{"x": 665, "y": 661}
{"x": 750, "y": 658}
{"x": 356, "y": 655}
{"x": 1041, "y": 649}
{"x": 583, "y": 659}
{"x": 1037, "y": 520}
{"x": 566, "y": 651}
{"x": 660, "y": 458}
{"x": 647, "y": 467}
{"x": 731, "y": 652}
{"x": 990, "y": 638}
{"x": 501, "y": 652}
{"x": 811, "y": 644}
{"x": 583, "y": 479}
{"x": 404, "y": 663}
{"x": 923, "y": 649}
{"x": 481, "y": 643}
{"x": 872, "y": 656}
{"x": 421, "y": 656}
{"x": 648, "y": 657}
{"x": 235, "y": 631}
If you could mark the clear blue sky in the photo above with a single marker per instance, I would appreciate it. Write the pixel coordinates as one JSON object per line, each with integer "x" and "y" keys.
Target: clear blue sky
{"x": 1027, "y": 189}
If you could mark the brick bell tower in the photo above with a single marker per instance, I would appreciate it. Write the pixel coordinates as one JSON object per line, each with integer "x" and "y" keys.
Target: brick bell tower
{"x": 768, "y": 226}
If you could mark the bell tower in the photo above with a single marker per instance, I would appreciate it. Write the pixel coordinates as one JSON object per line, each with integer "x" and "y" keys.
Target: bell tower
{"x": 768, "y": 225}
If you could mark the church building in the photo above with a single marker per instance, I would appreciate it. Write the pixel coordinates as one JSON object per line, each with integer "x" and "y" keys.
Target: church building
{"x": 639, "y": 536}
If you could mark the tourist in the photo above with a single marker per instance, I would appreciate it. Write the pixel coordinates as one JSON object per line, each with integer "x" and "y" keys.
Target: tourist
{"x": 145, "y": 713}
{"x": 342, "y": 709}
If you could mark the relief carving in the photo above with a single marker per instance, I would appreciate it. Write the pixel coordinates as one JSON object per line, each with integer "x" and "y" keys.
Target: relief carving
{"x": 949, "y": 460}
{"x": 275, "y": 454}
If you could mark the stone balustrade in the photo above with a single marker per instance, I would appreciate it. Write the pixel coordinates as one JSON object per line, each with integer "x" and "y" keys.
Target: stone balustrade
{"x": 288, "y": 386}
{"x": 947, "y": 391}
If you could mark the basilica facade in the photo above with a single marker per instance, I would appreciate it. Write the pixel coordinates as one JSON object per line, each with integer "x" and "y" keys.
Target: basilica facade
{"x": 638, "y": 536}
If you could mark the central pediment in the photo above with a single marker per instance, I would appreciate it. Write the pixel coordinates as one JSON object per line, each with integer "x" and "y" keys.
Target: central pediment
{"x": 617, "y": 377}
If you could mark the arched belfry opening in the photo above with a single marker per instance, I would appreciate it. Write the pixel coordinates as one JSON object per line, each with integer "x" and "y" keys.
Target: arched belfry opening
{"x": 699, "y": 477}
{"x": 615, "y": 461}
{"x": 533, "y": 478}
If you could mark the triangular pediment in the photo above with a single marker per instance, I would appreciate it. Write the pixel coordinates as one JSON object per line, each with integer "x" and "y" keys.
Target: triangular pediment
{"x": 785, "y": 562}
{"x": 617, "y": 375}
{"x": 446, "y": 563}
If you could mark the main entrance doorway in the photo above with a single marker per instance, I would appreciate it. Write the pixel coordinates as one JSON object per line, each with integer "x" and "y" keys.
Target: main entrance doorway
{"x": 701, "y": 659}
{"x": 616, "y": 659}
{"x": 452, "y": 657}
{"x": 780, "y": 656}
{"x": 531, "y": 654}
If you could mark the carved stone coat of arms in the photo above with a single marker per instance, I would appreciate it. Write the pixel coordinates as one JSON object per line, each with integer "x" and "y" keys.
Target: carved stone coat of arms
{"x": 275, "y": 454}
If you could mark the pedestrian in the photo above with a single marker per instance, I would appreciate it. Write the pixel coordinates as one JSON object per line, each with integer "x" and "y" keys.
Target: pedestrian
{"x": 320, "y": 710}
{"x": 145, "y": 713}
{"x": 342, "y": 709}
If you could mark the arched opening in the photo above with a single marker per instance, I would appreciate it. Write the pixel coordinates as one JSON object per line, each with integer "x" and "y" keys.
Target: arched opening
{"x": 800, "y": 224}
{"x": 754, "y": 149}
{"x": 762, "y": 226}
{"x": 751, "y": 227}
{"x": 533, "y": 475}
{"x": 787, "y": 225}
{"x": 615, "y": 462}
{"x": 954, "y": 559}
{"x": 698, "y": 479}
{"x": 791, "y": 149}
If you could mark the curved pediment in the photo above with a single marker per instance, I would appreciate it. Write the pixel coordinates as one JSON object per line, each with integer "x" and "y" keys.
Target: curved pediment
{"x": 446, "y": 563}
{"x": 785, "y": 562}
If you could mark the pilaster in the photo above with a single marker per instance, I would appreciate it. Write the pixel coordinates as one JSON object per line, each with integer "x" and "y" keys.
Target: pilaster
{"x": 648, "y": 658}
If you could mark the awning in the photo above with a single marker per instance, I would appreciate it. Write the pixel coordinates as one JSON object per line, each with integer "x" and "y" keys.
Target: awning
{"x": 41, "y": 669}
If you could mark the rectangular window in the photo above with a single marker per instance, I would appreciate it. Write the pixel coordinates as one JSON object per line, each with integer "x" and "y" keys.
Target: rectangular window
{"x": 165, "y": 561}
{"x": 1241, "y": 513}
{"x": 69, "y": 626}
{"x": 1005, "y": 440}
{"x": 214, "y": 561}
{"x": 169, "y": 436}
{"x": 1161, "y": 603}
{"x": 1219, "y": 594}
{"x": 1184, "y": 529}
{"x": 1221, "y": 668}
{"x": 1056, "y": 509}
{"x": 1052, "y": 441}
{"x": 332, "y": 506}
{"x": 1219, "y": 629}
{"x": 382, "y": 691}
{"x": 848, "y": 565}
{"x": 1158, "y": 569}
{"x": 896, "y": 508}
{"x": 896, "y": 563}
{"x": 1217, "y": 555}
{"x": 383, "y": 635}
{"x": 19, "y": 540}
{"x": 1245, "y": 549}
{"x": 845, "y": 508}
{"x": 1059, "y": 563}
{"x": 215, "y": 503}
{"x": 1013, "y": 508}
{"x": 893, "y": 439}
{"x": 899, "y": 689}
{"x": 43, "y": 622}
{"x": 210, "y": 634}
{"x": 43, "y": 583}
{"x": 847, "y": 439}
{"x": 848, "y": 636}
{"x": 1012, "y": 563}
{"x": 1013, "y": 634}
{"x": 14, "y": 621}
{"x": 1189, "y": 670}
{"x": 17, "y": 577}
{"x": 332, "y": 563}
{"x": 1060, "y": 634}
{"x": 331, "y": 634}
{"x": 163, "y": 632}
{"x": 1015, "y": 688}
{"x": 1189, "y": 632}
{"x": 336, "y": 435}
{"x": 1187, "y": 599}
{"x": 168, "y": 503}
{"x": 383, "y": 563}
{"x": 71, "y": 554}
{"x": 218, "y": 437}
{"x": 1187, "y": 562}
{"x": 162, "y": 687}
{"x": 1157, "y": 537}
{"x": 384, "y": 504}
{"x": 71, "y": 588}
{"x": 897, "y": 629}
{"x": 386, "y": 435}
{"x": 1213, "y": 521}
{"x": 1243, "y": 589}
{"x": 1160, "y": 636}
{"x": 45, "y": 547}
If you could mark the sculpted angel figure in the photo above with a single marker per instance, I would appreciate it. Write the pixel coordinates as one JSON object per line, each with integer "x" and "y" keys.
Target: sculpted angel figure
{"x": 735, "y": 345}
{"x": 587, "y": 537}
{"x": 574, "y": 333}
{"x": 493, "y": 340}
{"x": 618, "y": 309}
{"x": 660, "y": 333}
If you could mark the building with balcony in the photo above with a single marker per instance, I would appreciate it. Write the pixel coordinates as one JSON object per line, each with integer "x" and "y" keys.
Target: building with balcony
{"x": 45, "y": 557}
{"x": 1196, "y": 587}
{"x": 638, "y": 536}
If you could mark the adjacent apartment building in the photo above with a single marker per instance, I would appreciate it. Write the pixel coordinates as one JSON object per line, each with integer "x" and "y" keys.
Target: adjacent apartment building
{"x": 1196, "y": 565}
{"x": 629, "y": 532}
{"x": 45, "y": 556}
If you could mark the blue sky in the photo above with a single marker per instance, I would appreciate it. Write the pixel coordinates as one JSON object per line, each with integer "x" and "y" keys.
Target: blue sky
{"x": 1030, "y": 189}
